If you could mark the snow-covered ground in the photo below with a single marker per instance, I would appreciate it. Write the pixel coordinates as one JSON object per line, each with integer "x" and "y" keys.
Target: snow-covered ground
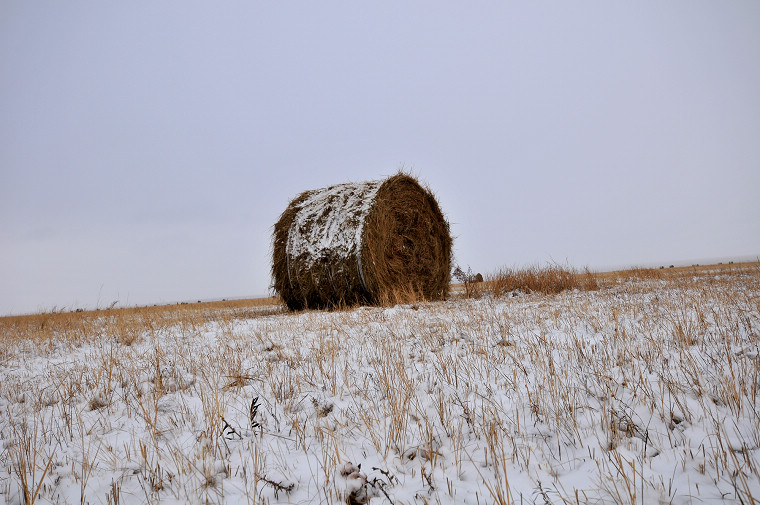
{"x": 645, "y": 391}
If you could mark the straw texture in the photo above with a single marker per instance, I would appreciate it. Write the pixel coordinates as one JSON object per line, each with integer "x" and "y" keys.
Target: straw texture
{"x": 377, "y": 242}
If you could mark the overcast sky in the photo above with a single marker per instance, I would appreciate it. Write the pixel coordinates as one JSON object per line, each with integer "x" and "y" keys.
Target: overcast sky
{"x": 147, "y": 148}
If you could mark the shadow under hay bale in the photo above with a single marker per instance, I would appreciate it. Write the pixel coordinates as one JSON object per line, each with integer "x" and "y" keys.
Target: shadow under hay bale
{"x": 375, "y": 242}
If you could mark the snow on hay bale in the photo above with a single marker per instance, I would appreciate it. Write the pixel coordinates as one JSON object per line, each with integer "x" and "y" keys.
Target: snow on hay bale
{"x": 370, "y": 242}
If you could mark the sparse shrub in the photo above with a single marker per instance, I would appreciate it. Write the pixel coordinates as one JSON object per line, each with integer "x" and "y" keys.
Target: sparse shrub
{"x": 471, "y": 282}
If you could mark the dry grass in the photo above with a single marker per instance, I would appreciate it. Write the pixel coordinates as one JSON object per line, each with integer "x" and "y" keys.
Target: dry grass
{"x": 127, "y": 325}
{"x": 550, "y": 279}
{"x": 644, "y": 390}
{"x": 553, "y": 278}
{"x": 681, "y": 272}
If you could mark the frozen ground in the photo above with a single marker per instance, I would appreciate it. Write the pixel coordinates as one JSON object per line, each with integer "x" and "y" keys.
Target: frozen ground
{"x": 645, "y": 391}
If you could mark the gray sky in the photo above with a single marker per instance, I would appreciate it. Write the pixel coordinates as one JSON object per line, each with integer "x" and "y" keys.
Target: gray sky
{"x": 146, "y": 148}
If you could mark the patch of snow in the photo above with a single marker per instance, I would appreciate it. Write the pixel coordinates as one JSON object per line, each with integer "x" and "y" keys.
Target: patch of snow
{"x": 330, "y": 221}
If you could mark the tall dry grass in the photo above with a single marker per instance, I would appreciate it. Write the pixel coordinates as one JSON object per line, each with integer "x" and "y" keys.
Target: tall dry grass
{"x": 550, "y": 279}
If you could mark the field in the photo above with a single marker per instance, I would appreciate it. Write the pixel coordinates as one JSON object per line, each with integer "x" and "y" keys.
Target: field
{"x": 632, "y": 387}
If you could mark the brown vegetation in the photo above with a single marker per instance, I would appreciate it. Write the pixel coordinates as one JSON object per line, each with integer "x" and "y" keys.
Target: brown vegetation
{"x": 555, "y": 278}
{"x": 128, "y": 323}
{"x": 548, "y": 280}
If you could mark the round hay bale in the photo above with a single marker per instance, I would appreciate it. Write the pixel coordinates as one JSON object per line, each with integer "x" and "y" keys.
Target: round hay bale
{"x": 375, "y": 242}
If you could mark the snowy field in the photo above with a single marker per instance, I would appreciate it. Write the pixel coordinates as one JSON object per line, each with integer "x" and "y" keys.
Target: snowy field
{"x": 645, "y": 391}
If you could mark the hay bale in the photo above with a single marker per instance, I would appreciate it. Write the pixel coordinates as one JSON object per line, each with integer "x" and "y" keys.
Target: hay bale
{"x": 368, "y": 243}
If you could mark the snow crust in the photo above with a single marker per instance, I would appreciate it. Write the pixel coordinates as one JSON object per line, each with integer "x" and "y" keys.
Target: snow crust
{"x": 330, "y": 221}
